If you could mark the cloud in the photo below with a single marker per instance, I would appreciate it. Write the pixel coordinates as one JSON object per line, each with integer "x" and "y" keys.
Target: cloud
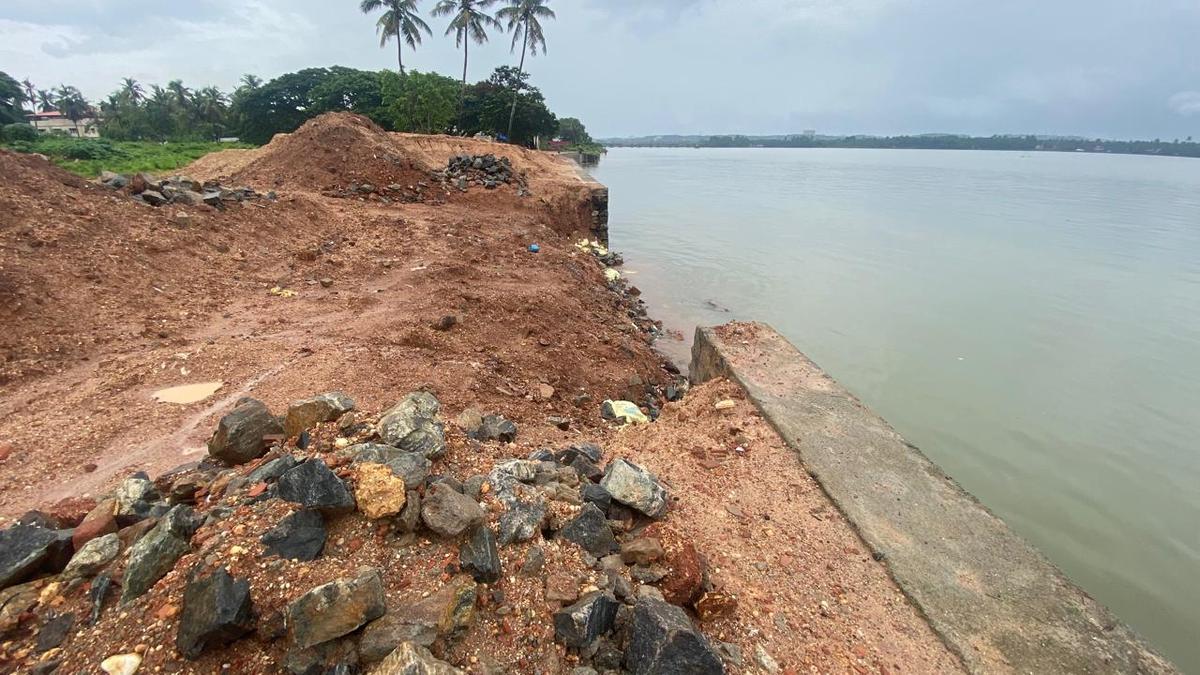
{"x": 1186, "y": 103}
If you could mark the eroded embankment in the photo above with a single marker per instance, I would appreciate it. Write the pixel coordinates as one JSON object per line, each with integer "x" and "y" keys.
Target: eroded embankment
{"x": 419, "y": 290}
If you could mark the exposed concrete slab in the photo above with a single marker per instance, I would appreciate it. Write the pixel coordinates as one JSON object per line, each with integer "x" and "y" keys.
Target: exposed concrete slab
{"x": 994, "y": 599}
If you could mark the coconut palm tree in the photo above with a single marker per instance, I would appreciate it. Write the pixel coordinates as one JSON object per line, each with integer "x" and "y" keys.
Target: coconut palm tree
{"x": 251, "y": 81}
{"x": 46, "y": 100}
{"x": 73, "y": 105}
{"x": 401, "y": 21}
{"x": 31, "y": 97}
{"x": 469, "y": 22}
{"x": 132, "y": 89}
{"x": 524, "y": 21}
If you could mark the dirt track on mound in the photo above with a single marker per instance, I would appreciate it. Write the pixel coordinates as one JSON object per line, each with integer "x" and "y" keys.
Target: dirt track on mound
{"x": 108, "y": 301}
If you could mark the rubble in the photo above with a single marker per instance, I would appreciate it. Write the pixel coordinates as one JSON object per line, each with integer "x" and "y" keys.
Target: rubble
{"x": 179, "y": 190}
{"x": 332, "y": 610}
{"x": 216, "y": 611}
{"x": 488, "y": 171}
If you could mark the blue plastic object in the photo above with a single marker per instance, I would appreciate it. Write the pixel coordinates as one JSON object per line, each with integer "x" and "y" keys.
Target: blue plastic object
{"x": 534, "y": 248}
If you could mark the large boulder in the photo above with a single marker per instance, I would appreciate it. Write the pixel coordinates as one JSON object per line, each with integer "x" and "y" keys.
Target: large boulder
{"x": 239, "y": 435}
{"x": 413, "y": 659}
{"x": 135, "y": 497}
{"x": 591, "y": 532}
{"x": 299, "y": 536}
{"x": 449, "y": 513}
{"x": 314, "y": 486}
{"x": 412, "y": 425}
{"x": 335, "y": 609}
{"x": 663, "y": 641}
{"x": 635, "y": 487}
{"x": 26, "y": 550}
{"x": 152, "y": 556}
{"x": 216, "y": 611}
{"x": 309, "y": 412}
{"x": 582, "y": 623}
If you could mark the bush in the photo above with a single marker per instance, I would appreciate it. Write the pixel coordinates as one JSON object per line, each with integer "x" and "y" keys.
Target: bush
{"x": 85, "y": 148}
{"x": 11, "y": 133}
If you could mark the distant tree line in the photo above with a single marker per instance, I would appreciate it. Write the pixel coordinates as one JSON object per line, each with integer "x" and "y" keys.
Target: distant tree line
{"x": 1174, "y": 148}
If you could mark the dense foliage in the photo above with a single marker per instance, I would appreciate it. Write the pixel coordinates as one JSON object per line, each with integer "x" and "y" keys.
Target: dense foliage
{"x": 11, "y": 98}
{"x": 89, "y": 156}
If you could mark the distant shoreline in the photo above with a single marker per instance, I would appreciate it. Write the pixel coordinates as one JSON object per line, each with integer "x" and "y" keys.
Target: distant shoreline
{"x": 1156, "y": 148}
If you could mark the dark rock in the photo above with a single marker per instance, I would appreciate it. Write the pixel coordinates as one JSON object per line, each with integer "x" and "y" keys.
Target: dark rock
{"x": 309, "y": 412}
{"x": 299, "y": 536}
{"x": 449, "y": 513}
{"x": 54, "y": 632}
{"x": 449, "y": 481}
{"x": 334, "y": 609}
{"x": 478, "y": 556}
{"x": 635, "y": 487}
{"x": 582, "y": 623}
{"x": 641, "y": 551}
{"x": 410, "y": 517}
{"x": 663, "y": 641}
{"x": 382, "y": 636}
{"x": 494, "y": 428}
{"x": 24, "y": 551}
{"x": 521, "y": 521}
{"x": 314, "y": 486}
{"x": 535, "y": 560}
{"x": 153, "y": 197}
{"x": 98, "y": 593}
{"x": 239, "y": 435}
{"x": 216, "y": 611}
{"x": 152, "y": 556}
{"x": 412, "y": 425}
{"x": 586, "y": 468}
{"x": 591, "y": 532}
{"x": 272, "y": 470}
{"x": 413, "y": 467}
{"x": 541, "y": 455}
{"x": 473, "y": 486}
{"x": 45, "y": 667}
{"x": 595, "y": 494}
{"x": 135, "y": 497}
{"x": 594, "y": 453}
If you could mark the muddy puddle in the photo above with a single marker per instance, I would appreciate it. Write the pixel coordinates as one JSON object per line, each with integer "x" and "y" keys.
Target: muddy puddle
{"x": 187, "y": 393}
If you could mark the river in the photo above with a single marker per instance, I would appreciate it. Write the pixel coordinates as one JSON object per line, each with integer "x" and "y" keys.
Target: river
{"x": 1030, "y": 320}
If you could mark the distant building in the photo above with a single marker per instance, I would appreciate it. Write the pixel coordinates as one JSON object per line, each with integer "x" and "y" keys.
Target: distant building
{"x": 54, "y": 121}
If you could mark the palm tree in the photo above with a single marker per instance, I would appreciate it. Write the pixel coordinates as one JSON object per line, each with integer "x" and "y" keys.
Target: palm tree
{"x": 469, "y": 22}
{"x": 400, "y": 21}
{"x": 132, "y": 89}
{"x": 46, "y": 100}
{"x": 524, "y": 21}
{"x": 251, "y": 81}
{"x": 73, "y": 105}
{"x": 180, "y": 92}
{"x": 31, "y": 97}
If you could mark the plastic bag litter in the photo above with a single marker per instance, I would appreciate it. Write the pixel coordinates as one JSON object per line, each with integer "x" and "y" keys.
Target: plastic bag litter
{"x": 623, "y": 411}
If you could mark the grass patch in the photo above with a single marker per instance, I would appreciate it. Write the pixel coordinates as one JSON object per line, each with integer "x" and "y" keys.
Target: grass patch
{"x": 87, "y": 157}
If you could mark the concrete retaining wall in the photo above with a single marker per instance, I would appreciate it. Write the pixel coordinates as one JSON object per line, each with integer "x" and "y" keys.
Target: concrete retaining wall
{"x": 994, "y": 599}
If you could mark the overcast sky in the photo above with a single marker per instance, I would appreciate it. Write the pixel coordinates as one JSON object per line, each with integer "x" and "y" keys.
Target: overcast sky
{"x": 1111, "y": 68}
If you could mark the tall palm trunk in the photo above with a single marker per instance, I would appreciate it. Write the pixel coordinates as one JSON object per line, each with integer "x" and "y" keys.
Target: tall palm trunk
{"x": 512, "y": 113}
{"x": 466, "y": 46}
{"x": 400, "y": 52}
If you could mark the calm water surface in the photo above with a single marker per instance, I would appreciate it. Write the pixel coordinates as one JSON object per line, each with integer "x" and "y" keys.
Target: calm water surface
{"x": 1032, "y": 321}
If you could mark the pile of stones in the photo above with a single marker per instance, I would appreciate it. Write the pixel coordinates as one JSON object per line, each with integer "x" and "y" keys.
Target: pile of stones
{"x": 324, "y": 460}
{"x": 489, "y": 171}
{"x": 178, "y": 190}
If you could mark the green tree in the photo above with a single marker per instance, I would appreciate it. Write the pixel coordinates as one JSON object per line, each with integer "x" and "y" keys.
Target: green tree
{"x": 357, "y": 91}
{"x": 572, "y": 131}
{"x": 469, "y": 22}
{"x": 423, "y": 103}
{"x": 132, "y": 90}
{"x": 11, "y": 97}
{"x": 46, "y": 101}
{"x": 486, "y": 107}
{"x": 524, "y": 22}
{"x": 401, "y": 21}
{"x": 30, "y": 97}
{"x": 73, "y": 105}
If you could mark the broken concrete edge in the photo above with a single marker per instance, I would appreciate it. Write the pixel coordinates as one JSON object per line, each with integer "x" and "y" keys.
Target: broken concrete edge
{"x": 997, "y": 602}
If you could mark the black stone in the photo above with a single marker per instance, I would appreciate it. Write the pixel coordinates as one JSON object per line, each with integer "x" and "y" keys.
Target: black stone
{"x": 591, "y": 531}
{"x": 239, "y": 435}
{"x": 99, "y": 591}
{"x": 582, "y": 623}
{"x": 216, "y": 611}
{"x": 591, "y": 451}
{"x": 586, "y": 469}
{"x": 26, "y": 550}
{"x": 478, "y": 556}
{"x": 314, "y": 486}
{"x": 594, "y": 494}
{"x": 54, "y": 632}
{"x": 663, "y": 641}
{"x": 272, "y": 470}
{"x": 521, "y": 521}
{"x": 494, "y": 428}
{"x": 299, "y": 536}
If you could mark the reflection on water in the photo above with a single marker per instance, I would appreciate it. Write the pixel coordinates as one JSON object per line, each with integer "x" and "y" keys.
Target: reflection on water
{"x": 1032, "y": 321}
{"x": 187, "y": 393}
